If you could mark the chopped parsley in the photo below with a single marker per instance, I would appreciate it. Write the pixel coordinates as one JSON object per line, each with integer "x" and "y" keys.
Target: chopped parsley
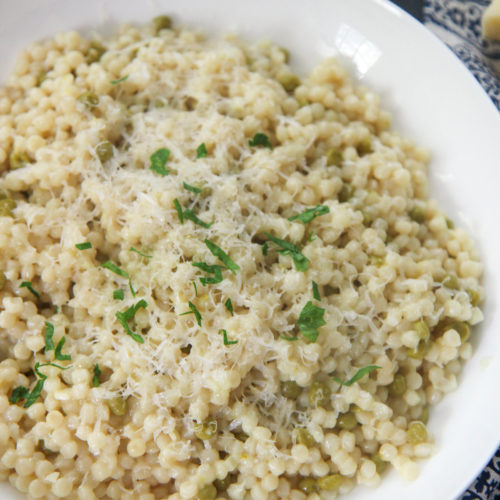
{"x": 358, "y": 375}
{"x": 158, "y": 161}
{"x": 226, "y": 340}
{"x": 84, "y": 246}
{"x": 289, "y": 339}
{"x": 41, "y": 375}
{"x": 193, "y": 310}
{"x": 265, "y": 248}
{"x": 190, "y": 215}
{"x": 229, "y": 306}
{"x": 18, "y": 393}
{"x": 310, "y": 214}
{"x": 120, "y": 272}
{"x": 311, "y": 237}
{"x": 260, "y": 139}
{"x": 193, "y": 189}
{"x": 315, "y": 291}
{"x": 118, "y": 294}
{"x": 222, "y": 256}
{"x": 195, "y": 289}
{"x": 310, "y": 319}
{"x": 132, "y": 249}
{"x": 127, "y": 315}
{"x": 120, "y": 80}
{"x": 287, "y": 248}
{"x": 214, "y": 269}
{"x": 97, "y": 373}
{"x": 201, "y": 151}
{"x": 49, "y": 333}
{"x": 29, "y": 286}
{"x": 58, "y": 354}
{"x": 178, "y": 207}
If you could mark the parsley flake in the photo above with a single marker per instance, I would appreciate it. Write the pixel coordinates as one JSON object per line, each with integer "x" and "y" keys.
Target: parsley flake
{"x": 58, "y": 354}
{"x": 310, "y": 319}
{"x": 214, "y": 269}
{"x": 35, "y": 393}
{"x": 29, "y": 286}
{"x": 195, "y": 289}
{"x": 118, "y": 294}
{"x": 158, "y": 161}
{"x": 193, "y": 189}
{"x": 358, "y": 375}
{"x": 265, "y": 248}
{"x": 226, "y": 340}
{"x": 287, "y": 248}
{"x": 18, "y": 393}
{"x": 178, "y": 207}
{"x": 120, "y": 272}
{"x": 190, "y": 215}
{"x": 201, "y": 151}
{"x": 120, "y": 80}
{"x": 229, "y": 306}
{"x": 124, "y": 317}
{"x": 193, "y": 310}
{"x": 132, "y": 249}
{"x": 222, "y": 256}
{"x": 310, "y": 214}
{"x": 315, "y": 288}
{"x": 289, "y": 339}
{"x": 84, "y": 246}
{"x": 260, "y": 139}
{"x": 97, "y": 373}
{"x": 43, "y": 376}
{"x": 49, "y": 333}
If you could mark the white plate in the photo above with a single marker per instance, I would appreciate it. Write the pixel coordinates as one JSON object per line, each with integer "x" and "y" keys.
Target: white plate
{"x": 434, "y": 100}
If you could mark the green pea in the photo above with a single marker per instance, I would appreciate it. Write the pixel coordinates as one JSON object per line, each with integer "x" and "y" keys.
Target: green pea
{"x": 420, "y": 351}
{"x": 117, "y": 405}
{"x": 206, "y": 430}
{"x": 376, "y": 260}
{"x": 240, "y": 436}
{"x": 95, "y": 52}
{"x": 223, "y": 484}
{"x": 41, "y": 77}
{"x": 331, "y": 482}
{"x": 379, "y": 462}
{"x": 90, "y": 99}
{"x": 6, "y": 207}
{"x": 18, "y": 159}
{"x": 364, "y": 147}
{"x": 290, "y": 389}
{"x": 334, "y": 156}
{"x": 304, "y": 437}
{"x": 318, "y": 394}
{"x": 289, "y": 81}
{"x": 422, "y": 330}
{"x": 416, "y": 433}
{"x": 307, "y": 485}
{"x": 424, "y": 416}
{"x": 451, "y": 281}
{"x": 286, "y": 54}
{"x": 463, "y": 329}
{"x": 208, "y": 492}
{"x": 3, "y": 280}
{"x": 347, "y": 421}
{"x": 162, "y": 23}
{"x": 475, "y": 296}
{"x": 398, "y": 385}
{"x": 346, "y": 192}
{"x": 104, "y": 151}
{"x": 418, "y": 214}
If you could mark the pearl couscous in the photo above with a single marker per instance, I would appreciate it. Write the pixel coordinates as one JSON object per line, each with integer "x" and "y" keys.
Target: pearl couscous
{"x": 218, "y": 280}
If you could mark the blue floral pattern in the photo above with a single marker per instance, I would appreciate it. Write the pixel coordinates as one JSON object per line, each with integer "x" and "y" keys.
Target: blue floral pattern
{"x": 458, "y": 24}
